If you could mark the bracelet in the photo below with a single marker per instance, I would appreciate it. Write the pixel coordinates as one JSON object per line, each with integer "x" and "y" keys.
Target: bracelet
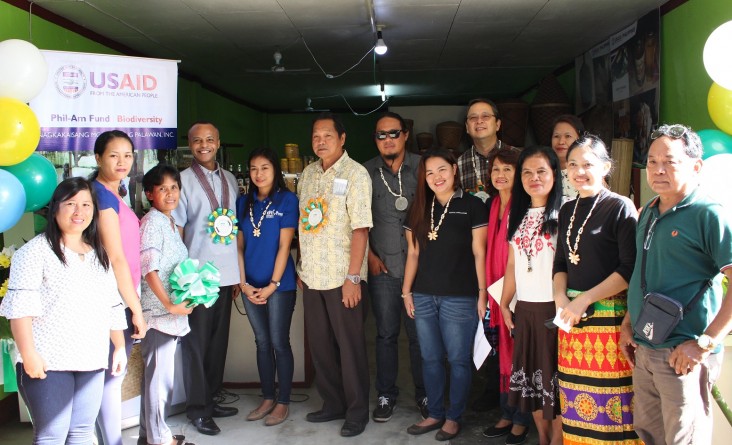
{"x": 482, "y": 290}
{"x": 405, "y": 295}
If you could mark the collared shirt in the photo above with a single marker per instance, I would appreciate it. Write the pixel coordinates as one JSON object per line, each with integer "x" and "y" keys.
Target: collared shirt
{"x": 73, "y": 306}
{"x": 161, "y": 250}
{"x": 472, "y": 165}
{"x": 446, "y": 266}
{"x": 192, "y": 214}
{"x": 326, "y": 251}
{"x": 688, "y": 244}
{"x": 387, "y": 238}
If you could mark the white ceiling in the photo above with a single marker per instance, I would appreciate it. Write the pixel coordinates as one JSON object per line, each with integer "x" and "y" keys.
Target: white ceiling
{"x": 440, "y": 51}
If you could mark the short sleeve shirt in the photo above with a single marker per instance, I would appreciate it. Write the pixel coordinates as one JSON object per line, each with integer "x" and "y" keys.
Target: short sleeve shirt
{"x": 260, "y": 252}
{"x": 192, "y": 214}
{"x": 386, "y": 238}
{"x": 325, "y": 253}
{"x": 534, "y": 275}
{"x": 129, "y": 228}
{"x": 446, "y": 266}
{"x": 73, "y": 306}
{"x": 162, "y": 250}
{"x": 688, "y": 245}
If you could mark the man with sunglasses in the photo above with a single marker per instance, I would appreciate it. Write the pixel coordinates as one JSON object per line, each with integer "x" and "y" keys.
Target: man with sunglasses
{"x": 684, "y": 241}
{"x": 482, "y": 124}
{"x": 394, "y": 180}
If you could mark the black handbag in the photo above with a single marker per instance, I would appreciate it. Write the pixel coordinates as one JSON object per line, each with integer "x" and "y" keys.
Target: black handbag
{"x": 660, "y": 314}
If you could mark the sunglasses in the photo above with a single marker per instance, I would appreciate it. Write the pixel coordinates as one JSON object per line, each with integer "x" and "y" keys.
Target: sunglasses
{"x": 381, "y": 135}
{"x": 672, "y": 131}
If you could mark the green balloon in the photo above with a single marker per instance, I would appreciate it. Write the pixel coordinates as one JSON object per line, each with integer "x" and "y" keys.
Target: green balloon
{"x": 38, "y": 176}
{"x": 715, "y": 142}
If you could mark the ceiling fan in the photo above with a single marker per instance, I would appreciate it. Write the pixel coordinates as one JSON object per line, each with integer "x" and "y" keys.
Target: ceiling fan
{"x": 309, "y": 107}
{"x": 278, "y": 67}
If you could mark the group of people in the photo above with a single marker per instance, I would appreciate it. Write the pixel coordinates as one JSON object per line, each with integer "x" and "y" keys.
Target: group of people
{"x": 520, "y": 240}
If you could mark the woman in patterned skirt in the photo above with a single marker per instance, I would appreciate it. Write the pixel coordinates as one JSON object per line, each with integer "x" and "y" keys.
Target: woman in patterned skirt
{"x": 592, "y": 267}
{"x": 532, "y": 232}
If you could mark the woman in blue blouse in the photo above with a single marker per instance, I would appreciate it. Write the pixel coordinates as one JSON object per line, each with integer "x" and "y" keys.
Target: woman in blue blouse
{"x": 268, "y": 216}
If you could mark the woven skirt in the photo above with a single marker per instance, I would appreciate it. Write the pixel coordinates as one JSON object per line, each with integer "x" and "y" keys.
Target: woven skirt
{"x": 595, "y": 379}
{"x": 533, "y": 383}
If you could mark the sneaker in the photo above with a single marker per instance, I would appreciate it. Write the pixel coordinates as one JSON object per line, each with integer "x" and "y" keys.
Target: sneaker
{"x": 384, "y": 409}
{"x": 423, "y": 410}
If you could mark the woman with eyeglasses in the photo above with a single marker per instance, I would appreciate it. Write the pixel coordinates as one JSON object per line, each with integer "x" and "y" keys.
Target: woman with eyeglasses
{"x": 532, "y": 234}
{"x": 443, "y": 278}
{"x": 592, "y": 267}
{"x": 119, "y": 228}
{"x": 566, "y": 129}
{"x": 64, "y": 309}
{"x": 513, "y": 422}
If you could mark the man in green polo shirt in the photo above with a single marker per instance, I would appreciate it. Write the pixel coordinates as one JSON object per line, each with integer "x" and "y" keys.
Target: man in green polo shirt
{"x": 687, "y": 240}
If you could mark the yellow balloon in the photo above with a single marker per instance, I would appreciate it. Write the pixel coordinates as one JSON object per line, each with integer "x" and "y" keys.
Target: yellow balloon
{"x": 19, "y": 131}
{"x": 719, "y": 104}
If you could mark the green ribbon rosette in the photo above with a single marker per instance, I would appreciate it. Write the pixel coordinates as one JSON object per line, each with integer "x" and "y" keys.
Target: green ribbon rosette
{"x": 197, "y": 285}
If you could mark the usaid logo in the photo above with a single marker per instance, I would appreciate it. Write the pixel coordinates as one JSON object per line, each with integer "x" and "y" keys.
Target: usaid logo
{"x": 70, "y": 81}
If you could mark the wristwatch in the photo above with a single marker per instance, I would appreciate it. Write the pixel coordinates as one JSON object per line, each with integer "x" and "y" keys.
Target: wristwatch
{"x": 355, "y": 279}
{"x": 276, "y": 283}
{"x": 706, "y": 342}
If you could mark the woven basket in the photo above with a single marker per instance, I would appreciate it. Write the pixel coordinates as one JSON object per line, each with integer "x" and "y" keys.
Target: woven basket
{"x": 424, "y": 141}
{"x": 542, "y": 118}
{"x": 514, "y": 120}
{"x": 449, "y": 134}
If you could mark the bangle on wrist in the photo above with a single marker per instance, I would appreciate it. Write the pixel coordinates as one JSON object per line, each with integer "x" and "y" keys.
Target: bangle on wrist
{"x": 404, "y": 295}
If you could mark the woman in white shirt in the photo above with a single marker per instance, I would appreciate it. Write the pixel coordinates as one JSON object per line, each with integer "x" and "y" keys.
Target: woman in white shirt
{"x": 63, "y": 307}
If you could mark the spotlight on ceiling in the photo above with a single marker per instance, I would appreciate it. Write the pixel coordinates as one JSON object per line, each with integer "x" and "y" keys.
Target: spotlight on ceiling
{"x": 380, "y": 45}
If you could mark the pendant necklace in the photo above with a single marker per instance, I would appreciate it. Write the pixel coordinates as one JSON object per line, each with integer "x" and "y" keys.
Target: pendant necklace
{"x": 401, "y": 202}
{"x": 574, "y": 257}
{"x": 480, "y": 188}
{"x": 528, "y": 237}
{"x": 432, "y": 235}
{"x": 257, "y": 231}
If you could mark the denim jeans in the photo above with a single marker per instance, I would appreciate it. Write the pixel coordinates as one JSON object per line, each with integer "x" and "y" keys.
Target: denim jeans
{"x": 388, "y": 307}
{"x": 446, "y": 328}
{"x": 63, "y": 406}
{"x": 271, "y": 325}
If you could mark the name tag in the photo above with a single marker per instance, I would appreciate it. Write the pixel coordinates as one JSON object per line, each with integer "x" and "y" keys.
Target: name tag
{"x": 340, "y": 186}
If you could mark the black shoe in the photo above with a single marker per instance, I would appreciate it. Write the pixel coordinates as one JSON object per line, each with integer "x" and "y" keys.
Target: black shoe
{"x": 513, "y": 439}
{"x": 224, "y": 411}
{"x": 416, "y": 430}
{"x": 206, "y": 425}
{"x": 497, "y": 432}
{"x": 321, "y": 416}
{"x": 384, "y": 409}
{"x": 423, "y": 409}
{"x": 350, "y": 428}
{"x": 443, "y": 435}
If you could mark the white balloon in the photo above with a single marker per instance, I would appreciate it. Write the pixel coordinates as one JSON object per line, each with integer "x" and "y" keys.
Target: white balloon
{"x": 23, "y": 70}
{"x": 714, "y": 179}
{"x": 717, "y": 57}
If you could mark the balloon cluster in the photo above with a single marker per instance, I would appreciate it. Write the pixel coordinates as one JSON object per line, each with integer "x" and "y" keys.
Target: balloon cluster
{"x": 27, "y": 180}
{"x": 718, "y": 144}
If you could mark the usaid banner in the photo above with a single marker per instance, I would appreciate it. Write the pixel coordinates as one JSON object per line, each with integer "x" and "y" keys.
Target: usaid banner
{"x": 87, "y": 94}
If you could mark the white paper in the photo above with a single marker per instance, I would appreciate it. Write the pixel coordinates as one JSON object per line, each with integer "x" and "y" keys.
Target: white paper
{"x": 496, "y": 290}
{"x": 481, "y": 347}
{"x": 561, "y": 324}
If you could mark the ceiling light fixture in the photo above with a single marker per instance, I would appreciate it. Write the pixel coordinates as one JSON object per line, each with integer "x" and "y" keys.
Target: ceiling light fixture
{"x": 380, "y": 47}
{"x": 383, "y": 94}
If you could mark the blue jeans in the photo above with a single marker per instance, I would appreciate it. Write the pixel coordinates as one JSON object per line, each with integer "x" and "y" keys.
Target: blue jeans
{"x": 271, "y": 325}
{"x": 109, "y": 420}
{"x": 388, "y": 307}
{"x": 446, "y": 328}
{"x": 63, "y": 406}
